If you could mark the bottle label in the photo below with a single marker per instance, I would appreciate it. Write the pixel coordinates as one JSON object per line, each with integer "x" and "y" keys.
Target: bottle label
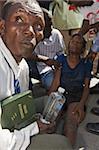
{"x": 53, "y": 106}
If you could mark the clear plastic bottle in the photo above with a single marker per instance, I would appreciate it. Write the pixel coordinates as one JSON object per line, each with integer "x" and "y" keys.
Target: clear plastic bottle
{"x": 54, "y": 105}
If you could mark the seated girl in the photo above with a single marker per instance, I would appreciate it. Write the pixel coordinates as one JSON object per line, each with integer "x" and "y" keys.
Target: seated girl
{"x": 74, "y": 76}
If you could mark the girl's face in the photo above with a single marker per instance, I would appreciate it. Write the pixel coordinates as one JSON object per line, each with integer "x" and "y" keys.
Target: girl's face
{"x": 76, "y": 45}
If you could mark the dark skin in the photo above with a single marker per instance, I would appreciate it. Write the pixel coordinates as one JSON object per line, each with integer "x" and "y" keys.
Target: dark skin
{"x": 27, "y": 30}
{"x": 46, "y": 60}
{"x": 73, "y": 59}
{"x": 19, "y": 32}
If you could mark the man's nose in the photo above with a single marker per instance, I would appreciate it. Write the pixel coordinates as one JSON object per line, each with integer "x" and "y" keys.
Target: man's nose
{"x": 31, "y": 29}
{"x": 29, "y": 32}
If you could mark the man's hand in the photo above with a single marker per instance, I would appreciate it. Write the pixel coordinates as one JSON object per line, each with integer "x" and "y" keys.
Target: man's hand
{"x": 48, "y": 61}
{"x": 44, "y": 59}
{"x": 51, "y": 62}
{"x": 46, "y": 128}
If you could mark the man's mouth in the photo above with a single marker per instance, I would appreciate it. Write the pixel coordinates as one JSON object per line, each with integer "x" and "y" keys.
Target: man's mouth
{"x": 29, "y": 42}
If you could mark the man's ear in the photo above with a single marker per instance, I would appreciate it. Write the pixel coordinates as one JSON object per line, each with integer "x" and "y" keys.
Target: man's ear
{"x": 2, "y": 26}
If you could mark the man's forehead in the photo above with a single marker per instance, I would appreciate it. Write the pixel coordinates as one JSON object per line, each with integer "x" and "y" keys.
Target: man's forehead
{"x": 16, "y": 8}
{"x": 20, "y": 7}
{"x": 30, "y": 5}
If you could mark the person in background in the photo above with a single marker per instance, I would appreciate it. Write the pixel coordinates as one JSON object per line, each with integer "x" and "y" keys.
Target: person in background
{"x": 50, "y": 47}
{"x": 95, "y": 49}
{"x": 74, "y": 76}
{"x": 20, "y": 24}
{"x": 94, "y": 56}
{"x": 65, "y": 18}
{"x": 91, "y": 24}
{"x": 94, "y": 127}
{"x": 89, "y": 9}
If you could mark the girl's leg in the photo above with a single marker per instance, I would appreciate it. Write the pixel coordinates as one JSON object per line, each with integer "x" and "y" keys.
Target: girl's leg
{"x": 71, "y": 124}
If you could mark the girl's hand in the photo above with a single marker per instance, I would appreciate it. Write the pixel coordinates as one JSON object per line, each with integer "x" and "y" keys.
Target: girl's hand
{"x": 79, "y": 112}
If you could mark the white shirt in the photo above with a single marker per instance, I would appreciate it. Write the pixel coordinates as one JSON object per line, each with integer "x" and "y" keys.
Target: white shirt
{"x": 50, "y": 47}
{"x": 9, "y": 70}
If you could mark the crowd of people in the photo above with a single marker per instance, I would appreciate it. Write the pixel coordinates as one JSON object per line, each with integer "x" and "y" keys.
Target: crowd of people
{"x": 27, "y": 33}
{"x": 21, "y": 26}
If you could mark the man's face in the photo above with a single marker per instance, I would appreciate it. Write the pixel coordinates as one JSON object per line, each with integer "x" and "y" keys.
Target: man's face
{"x": 22, "y": 30}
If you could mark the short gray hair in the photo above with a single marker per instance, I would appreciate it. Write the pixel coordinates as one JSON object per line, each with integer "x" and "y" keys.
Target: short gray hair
{"x": 32, "y": 5}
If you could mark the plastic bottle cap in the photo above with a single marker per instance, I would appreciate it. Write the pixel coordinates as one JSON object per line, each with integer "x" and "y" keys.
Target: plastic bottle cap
{"x": 61, "y": 90}
{"x": 44, "y": 121}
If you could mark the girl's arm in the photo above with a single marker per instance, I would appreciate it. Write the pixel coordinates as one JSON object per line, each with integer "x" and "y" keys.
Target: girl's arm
{"x": 56, "y": 81}
{"x": 85, "y": 92}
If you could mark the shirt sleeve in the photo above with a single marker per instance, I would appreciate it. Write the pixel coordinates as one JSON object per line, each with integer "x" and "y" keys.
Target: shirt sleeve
{"x": 61, "y": 58}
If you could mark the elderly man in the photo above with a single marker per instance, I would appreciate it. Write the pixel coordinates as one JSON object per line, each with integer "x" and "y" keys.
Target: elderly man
{"x": 21, "y": 26}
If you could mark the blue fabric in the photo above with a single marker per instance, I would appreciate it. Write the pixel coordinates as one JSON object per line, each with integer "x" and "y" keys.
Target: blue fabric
{"x": 16, "y": 86}
{"x": 73, "y": 79}
{"x": 95, "y": 46}
{"x": 47, "y": 79}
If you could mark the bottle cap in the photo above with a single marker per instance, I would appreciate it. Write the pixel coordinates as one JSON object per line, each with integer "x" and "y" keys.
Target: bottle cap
{"x": 61, "y": 90}
{"x": 44, "y": 121}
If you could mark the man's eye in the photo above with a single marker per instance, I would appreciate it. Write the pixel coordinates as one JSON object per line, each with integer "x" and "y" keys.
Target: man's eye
{"x": 38, "y": 27}
{"x": 19, "y": 20}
